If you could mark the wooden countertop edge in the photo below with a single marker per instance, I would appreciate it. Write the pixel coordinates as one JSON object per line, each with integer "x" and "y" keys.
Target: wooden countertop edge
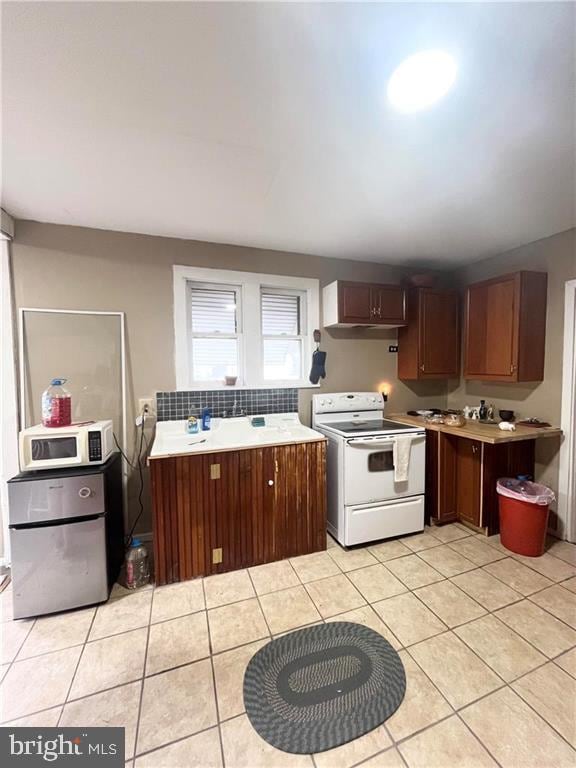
{"x": 234, "y": 448}
{"x": 521, "y": 433}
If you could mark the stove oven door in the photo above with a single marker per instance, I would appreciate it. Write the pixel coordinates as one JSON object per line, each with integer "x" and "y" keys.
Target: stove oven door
{"x": 369, "y": 470}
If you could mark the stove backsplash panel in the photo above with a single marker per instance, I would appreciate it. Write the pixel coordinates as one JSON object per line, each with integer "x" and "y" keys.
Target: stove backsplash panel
{"x": 172, "y": 406}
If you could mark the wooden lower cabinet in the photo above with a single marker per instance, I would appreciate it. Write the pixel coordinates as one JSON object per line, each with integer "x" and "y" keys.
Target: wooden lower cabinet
{"x": 218, "y": 512}
{"x": 461, "y": 476}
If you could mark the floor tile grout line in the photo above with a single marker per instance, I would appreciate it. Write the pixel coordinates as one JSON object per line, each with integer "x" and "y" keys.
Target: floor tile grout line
{"x": 536, "y": 592}
{"x": 525, "y": 639}
{"x": 174, "y": 741}
{"x": 488, "y": 613}
{"x": 214, "y": 686}
{"x": 13, "y": 660}
{"x": 430, "y": 608}
{"x": 365, "y": 603}
{"x": 478, "y": 739}
{"x": 76, "y": 669}
{"x": 545, "y": 609}
{"x": 505, "y": 605}
{"x": 142, "y": 684}
{"x": 538, "y": 714}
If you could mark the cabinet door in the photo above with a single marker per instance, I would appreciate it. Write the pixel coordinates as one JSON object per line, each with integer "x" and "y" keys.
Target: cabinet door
{"x": 300, "y": 498}
{"x": 492, "y": 330}
{"x": 389, "y": 304}
{"x": 355, "y": 303}
{"x": 468, "y": 477}
{"x": 439, "y": 337}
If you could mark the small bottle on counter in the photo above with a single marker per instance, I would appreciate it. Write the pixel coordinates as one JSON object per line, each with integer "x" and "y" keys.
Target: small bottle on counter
{"x": 192, "y": 427}
{"x": 206, "y": 419}
{"x": 483, "y": 411}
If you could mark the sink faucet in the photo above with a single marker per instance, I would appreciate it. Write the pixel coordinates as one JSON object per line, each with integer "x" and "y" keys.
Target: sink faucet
{"x": 235, "y": 410}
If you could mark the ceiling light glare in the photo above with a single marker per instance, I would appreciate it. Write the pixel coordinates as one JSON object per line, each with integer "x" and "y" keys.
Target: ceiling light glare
{"x": 421, "y": 80}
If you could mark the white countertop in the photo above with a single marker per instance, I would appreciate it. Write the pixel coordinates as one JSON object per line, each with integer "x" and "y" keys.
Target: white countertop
{"x": 236, "y": 434}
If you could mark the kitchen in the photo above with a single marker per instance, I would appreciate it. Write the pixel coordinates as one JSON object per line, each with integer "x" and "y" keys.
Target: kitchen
{"x": 124, "y": 265}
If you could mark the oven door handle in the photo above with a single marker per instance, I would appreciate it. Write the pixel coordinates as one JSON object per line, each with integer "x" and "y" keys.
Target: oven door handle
{"x": 371, "y": 443}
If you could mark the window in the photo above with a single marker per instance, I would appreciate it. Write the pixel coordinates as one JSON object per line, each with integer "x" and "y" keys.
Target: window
{"x": 281, "y": 334}
{"x": 256, "y": 327}
{"x": 214, "y": 332}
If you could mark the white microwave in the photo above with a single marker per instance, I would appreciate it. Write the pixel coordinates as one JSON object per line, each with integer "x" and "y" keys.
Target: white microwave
{"x": 74, "y": 446}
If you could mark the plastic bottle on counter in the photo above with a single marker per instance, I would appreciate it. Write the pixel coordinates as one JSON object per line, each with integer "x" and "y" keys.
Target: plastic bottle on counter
{"x": 206, "y": 419}
{"x": 56, "y": 405}
{"x": 137, "y": 565}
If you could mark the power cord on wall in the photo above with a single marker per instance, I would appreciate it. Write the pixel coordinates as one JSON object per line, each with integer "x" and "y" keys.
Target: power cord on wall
{"x": 141, "y": 422}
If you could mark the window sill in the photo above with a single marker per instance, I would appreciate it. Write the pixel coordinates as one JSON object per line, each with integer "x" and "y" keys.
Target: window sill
{"x": 225, "y": 388}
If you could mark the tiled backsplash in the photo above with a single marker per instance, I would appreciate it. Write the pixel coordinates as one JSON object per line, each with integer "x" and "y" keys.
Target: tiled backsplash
{"x": 171, "y": 406}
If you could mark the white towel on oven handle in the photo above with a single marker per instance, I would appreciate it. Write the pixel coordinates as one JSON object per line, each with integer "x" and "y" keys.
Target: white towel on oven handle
{"x": 401, "y": 457}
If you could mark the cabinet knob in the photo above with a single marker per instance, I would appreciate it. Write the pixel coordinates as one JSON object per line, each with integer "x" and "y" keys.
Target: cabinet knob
{"x": 422, "y": 367}
{"x": 270, "y": 482}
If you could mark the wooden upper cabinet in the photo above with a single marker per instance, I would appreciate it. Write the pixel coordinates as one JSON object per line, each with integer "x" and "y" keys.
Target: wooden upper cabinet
{"x": 429, "y": 346}
{"x": 506, "y": 328}
{"x": 351, "y": 304}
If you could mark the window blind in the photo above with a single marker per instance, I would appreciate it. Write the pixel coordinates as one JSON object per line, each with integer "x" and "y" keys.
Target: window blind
{"x": 280, "y": 314}
{"x": 213, "y": 311}
{"x": 282, "y": 349}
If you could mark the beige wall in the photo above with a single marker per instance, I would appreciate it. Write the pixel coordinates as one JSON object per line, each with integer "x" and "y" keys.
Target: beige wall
{"x": 557, "y": 256}
{"x": 77, "y": 268}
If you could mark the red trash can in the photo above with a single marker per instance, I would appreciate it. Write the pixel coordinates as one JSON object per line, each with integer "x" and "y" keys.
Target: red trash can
{"x": 523, "y": 515}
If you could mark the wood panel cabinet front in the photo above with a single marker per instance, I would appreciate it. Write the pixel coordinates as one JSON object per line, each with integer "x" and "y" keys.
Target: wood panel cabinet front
{"x": 352, "y": 304}
{"x": 355, "y": 302}
{"x": 461, "y": 477}
{"x": 506, "y": 328}
{"x": 220, "y": 512}
{"x": 468, "y": 480}
{"x": 429, "y": 345}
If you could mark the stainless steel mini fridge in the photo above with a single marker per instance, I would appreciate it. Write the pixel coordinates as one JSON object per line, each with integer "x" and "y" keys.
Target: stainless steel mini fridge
{"x": 66, "y": 535}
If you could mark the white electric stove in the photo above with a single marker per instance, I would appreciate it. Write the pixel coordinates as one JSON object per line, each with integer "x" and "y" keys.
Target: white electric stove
{"x": 365, "y": 502}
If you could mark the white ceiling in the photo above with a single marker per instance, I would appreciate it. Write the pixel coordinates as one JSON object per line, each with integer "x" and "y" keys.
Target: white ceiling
{"x": 266, "y": 124}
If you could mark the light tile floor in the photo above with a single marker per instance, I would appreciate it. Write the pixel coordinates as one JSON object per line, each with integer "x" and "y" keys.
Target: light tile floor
{"x": 488, "y": 641}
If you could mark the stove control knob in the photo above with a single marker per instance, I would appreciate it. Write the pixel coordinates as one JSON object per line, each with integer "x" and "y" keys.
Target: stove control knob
{"x": 322, "y": 402}
{"x": 85, "y": 493}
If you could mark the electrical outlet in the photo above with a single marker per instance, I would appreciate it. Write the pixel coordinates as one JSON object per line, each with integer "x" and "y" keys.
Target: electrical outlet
{"x": 148, "y": 403}
{"x": 393, "y": 348}
{"x": 147, "y": 406}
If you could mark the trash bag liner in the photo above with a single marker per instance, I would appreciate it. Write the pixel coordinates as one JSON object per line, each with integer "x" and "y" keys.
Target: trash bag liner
{"x": 524, "y": 490}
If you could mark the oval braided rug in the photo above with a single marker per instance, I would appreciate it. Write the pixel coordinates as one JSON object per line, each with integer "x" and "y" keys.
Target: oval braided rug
{"x": 322, "y": 686}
